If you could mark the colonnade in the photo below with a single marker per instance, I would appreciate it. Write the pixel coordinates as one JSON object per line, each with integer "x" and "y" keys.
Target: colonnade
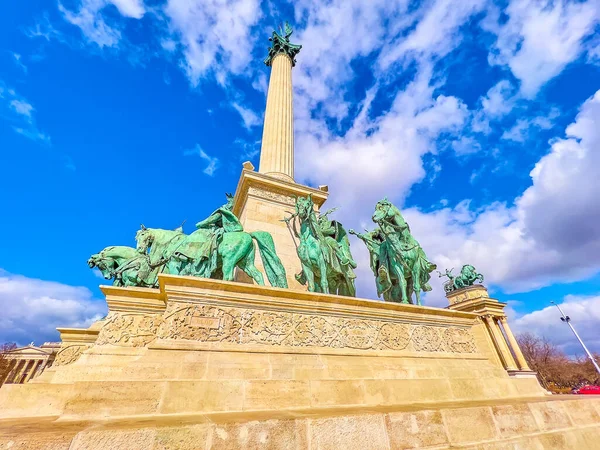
{"x": 508, "y": 349}
{"x": 24, "y": 370}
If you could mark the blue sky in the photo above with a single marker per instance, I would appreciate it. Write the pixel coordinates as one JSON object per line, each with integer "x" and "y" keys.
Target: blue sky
{"x": 480, "y": 119}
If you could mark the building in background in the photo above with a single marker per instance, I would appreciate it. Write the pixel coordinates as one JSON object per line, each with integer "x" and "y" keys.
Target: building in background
{"x": 28, "y": 362}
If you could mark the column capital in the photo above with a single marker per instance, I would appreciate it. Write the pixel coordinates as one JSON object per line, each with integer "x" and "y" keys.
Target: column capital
{"x": 281, "y": 45}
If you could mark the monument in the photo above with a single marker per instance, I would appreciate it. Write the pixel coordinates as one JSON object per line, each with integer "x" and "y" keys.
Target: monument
{"x": 197, "y": 351}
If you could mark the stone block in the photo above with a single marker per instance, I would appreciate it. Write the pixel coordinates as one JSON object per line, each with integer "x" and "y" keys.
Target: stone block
{"x": 261, "y": 435}
{"x": 192, "y": 437}
{"x": 276, "y": 394}
{"x": 514, "y": 420}
{"x": 352, "y": 432}
{"x": 142, "y": 439}
{"x": 416, "y": 429}
{"x": 469, "y": 425}
{"x": 581, "y": 412}
{"x": 550, "y": 415}
{"x": 202, "y": 396}
{"x": 26, "y": 400}
{"x": 192, "y": 371}
{"x": 36, "y": 441}
{"x": 106, "y": 399}
{"x": 394, "y": 392}
{"x": 336, "y": 393}
{"x": 560, "y": 441}
{"x": 468, "y": 388}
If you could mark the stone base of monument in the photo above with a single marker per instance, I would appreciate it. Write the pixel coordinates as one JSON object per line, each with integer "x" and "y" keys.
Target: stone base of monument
{"x": 205, "y": 364}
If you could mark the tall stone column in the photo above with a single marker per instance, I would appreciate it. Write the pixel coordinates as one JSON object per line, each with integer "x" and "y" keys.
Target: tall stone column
{"x": 521, "y": 361}
{"x": 277, "y": 151}
{"x": 264, "y": 198}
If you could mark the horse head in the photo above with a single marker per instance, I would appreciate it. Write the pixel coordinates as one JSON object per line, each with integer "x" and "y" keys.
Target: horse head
{"x": 469, "y": 273}
{"x": 304, "y": 207}
{"x": 383, "y": 210}
{"x": 105, "y": 265}
{"x": 144, "y": 239}
{"x": 229, "y": 204}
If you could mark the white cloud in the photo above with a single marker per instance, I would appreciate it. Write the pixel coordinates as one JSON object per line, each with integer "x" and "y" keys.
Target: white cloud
{"x": 523, "y": 127}
{"x": 436, "y": 32}
{"x": 248, "y": 149}
{"x": 212, "y": 164}
{"x": 90, "y": 18}
{"x": 22, "y": 107}
{"x": 33, "y": 133}
{"x": 215, "y": 35}
{"x": 32, "y": 308}
{"x": 19, "y": 62}
{"x": 21, "y": 113}
{"x": 383, "y": 155}
{"x": 466, "y": 145}
{"x": 249, "y": 117}
{"x": 584, "y": 312}
{"x": 551, "y": 232}
{"x": 541, "y": 37}
{"x": 44, "y": 29}
{"x": 499, "y": 100}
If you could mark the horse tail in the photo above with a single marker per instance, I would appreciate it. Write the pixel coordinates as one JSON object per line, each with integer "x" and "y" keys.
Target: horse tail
{"x": 426, "y": 269}
{"x": 271, "y": 262}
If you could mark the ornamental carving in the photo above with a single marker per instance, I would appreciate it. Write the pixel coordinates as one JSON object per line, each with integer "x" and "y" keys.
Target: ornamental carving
{"x": 428, "y": 339}
{"x": 129, "y": 330}
{"x": 459, "y": 340}
{"x": 274, "y": 195}
{"x": 68, "y": 355}
{"x": 205, "y": 323}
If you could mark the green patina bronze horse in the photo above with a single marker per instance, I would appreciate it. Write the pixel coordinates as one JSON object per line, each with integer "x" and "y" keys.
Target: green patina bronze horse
{"x": 126, "y": 265}
{"x": 401, "y": 254}
{"x": 467, "y": 277}
{"x": 212, "y": 255}
{"x": 324, "y": 252}
{"x": 214, "y": 250}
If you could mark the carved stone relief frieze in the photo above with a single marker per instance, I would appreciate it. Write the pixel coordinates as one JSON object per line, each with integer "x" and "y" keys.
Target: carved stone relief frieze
{"x": 68, "y": 355}
{"x": 274, "y": 195}
{"x": 129, "y": 329}
{"x": 206, "y": 323}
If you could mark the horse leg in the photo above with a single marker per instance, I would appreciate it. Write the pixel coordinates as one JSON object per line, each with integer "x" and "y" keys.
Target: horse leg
{"x": 310, "y": 276}
{"x": 323, "y": 273}
{"x": 416, "y": 274}
{"x": 400, "y": 275}
{"x": 247, "y": 265}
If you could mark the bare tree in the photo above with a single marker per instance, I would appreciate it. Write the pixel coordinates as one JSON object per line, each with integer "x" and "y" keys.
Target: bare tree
{"x": 556, "y": 371}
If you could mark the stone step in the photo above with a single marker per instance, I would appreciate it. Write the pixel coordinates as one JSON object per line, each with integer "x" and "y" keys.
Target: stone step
{"x": 98, "y": 399}
{"x": 559, "y": 422}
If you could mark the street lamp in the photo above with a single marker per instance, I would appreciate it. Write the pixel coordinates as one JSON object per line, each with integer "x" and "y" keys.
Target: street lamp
{"x": 567, "y": 319}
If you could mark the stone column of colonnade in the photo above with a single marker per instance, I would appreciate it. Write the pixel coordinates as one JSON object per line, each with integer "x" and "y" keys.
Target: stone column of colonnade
{"x": 34, "y": 368}
{"x": 514, "y": 345}
{"x": 277, "y": 151}
{"x": 19, "y": 370}
{"x": 14, "y": 368}
{"x": 501, "y": 345}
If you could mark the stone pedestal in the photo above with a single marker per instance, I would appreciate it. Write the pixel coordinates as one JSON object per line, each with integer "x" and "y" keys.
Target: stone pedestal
{"x": 491, "y": 312}
{"x": 212, "y": 365}
{"x": 261, "y": 203}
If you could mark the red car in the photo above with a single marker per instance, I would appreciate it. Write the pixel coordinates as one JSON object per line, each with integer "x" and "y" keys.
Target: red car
{"x": 593, "y": 390}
